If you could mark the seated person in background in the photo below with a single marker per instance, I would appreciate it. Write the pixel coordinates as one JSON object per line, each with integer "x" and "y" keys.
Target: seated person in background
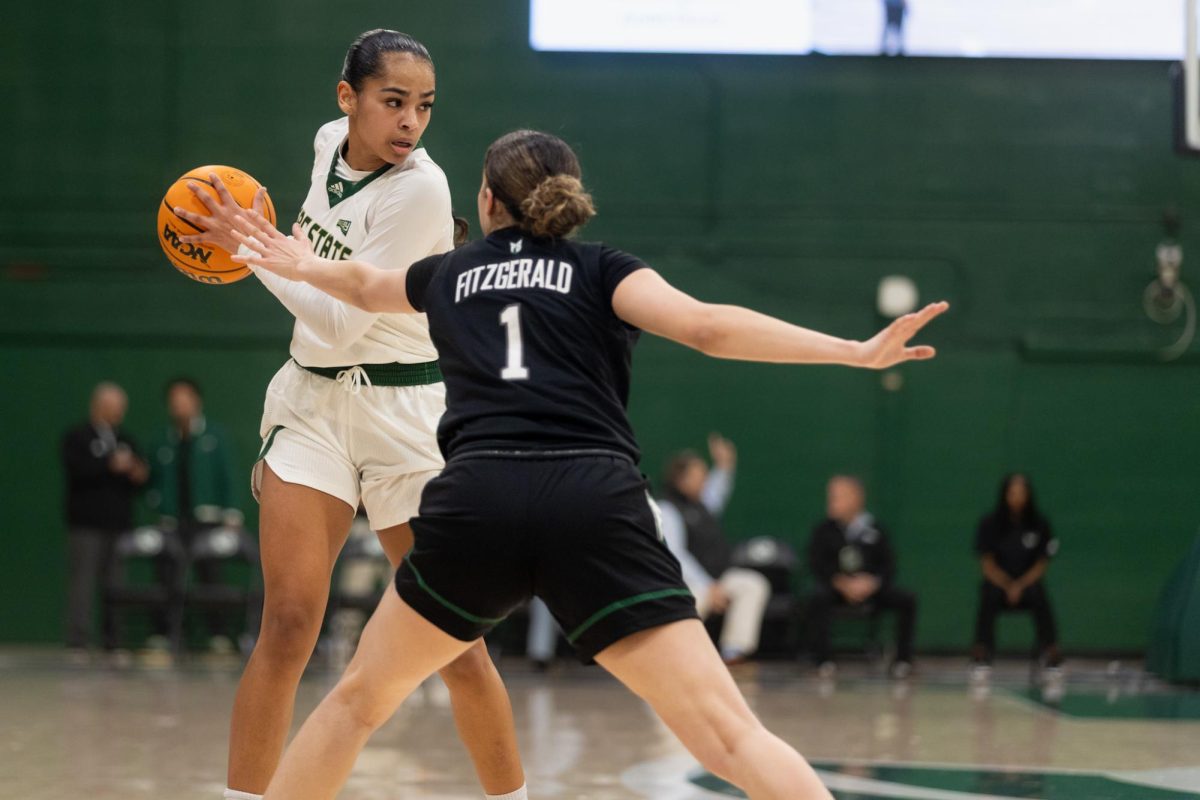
{"x": 191, "y": 488}
{"x": 1014, "y": 546}
{"x": 691, "y": 505}
{"x": 853, "y": 564}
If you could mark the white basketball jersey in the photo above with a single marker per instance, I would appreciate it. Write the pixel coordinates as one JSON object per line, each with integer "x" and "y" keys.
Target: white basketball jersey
{"x": 390, "y": 218}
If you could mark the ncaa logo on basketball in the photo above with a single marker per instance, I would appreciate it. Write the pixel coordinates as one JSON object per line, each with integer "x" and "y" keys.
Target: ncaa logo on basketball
{"x": 210, "y": 279}
{"x": 184, "y": 249}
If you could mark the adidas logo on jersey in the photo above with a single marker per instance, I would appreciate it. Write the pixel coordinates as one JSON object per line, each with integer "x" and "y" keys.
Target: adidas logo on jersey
{"x": 344, "y": 226}
{"x": 336, "y": 188}
{"x": 515, "y": 247}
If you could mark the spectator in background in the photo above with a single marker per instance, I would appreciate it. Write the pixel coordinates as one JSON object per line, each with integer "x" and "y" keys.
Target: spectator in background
{"x": 853, "y": 564}
{"x": 103, "y": 471}
{"x": 1014, "y": 546}
{"x": 693, "y": 500}
{"x": 191, "y": 488}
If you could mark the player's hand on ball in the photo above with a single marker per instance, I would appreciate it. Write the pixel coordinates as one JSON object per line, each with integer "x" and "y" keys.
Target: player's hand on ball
{"x": 890, "y": 346}
{"x": 270, "y": 249}
{"x": 223, "y": 211}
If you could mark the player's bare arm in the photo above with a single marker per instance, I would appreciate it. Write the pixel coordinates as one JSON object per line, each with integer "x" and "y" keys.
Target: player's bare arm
{"x": 646, "y": 300}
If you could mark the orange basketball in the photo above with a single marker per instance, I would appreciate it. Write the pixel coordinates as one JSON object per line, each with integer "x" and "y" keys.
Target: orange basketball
{"x": 204, "y": 262}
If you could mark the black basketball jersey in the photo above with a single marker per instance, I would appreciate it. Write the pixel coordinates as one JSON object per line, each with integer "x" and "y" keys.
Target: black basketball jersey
{"x": 533, "y": 355}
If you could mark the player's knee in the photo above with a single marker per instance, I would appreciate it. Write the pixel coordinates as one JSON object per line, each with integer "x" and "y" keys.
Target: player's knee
{"x": 361, "y": 704}
{"x": 289, "y": 629}
{"x": 472, "y": 667}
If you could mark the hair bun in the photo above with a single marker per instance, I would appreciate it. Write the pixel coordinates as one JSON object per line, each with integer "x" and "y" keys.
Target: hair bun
{"x": 557, "y": 206}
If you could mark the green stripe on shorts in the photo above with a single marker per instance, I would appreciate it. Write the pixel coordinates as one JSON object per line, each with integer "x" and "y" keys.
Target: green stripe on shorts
{"x": 626, "y": 603}
{"x": 467, "y": 615}
{"x": 267, "y": 442}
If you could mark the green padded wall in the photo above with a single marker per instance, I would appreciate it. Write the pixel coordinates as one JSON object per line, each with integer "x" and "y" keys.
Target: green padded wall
{"x": 1027, "y": 193}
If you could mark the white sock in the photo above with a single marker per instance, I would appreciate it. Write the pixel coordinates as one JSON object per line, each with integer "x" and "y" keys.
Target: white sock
{"x": 234, "y": 794}
{"x": 519, "y": 794}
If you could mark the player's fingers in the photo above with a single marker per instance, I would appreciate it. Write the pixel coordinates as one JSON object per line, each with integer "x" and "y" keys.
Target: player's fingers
{"x": 199, "y": 220}
{"x": 929, "y": 313}
{"x": 248, "y": 236}
{"x": 222, "y": 190}
{"x": 253, "y": 224}
{"x": 919, "y": 353}
{"x": 260, "y": 200}
{"x": 194, "y": 238}
{"x": 251, "y": 260}
{"x": 211, "y": 203}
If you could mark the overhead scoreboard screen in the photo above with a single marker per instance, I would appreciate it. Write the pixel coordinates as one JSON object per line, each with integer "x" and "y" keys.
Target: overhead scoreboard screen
{"x": 1083, "y": 29}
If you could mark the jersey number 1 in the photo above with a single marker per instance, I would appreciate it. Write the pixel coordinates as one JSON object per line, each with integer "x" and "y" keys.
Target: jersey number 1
{"x": 515, "y": 370}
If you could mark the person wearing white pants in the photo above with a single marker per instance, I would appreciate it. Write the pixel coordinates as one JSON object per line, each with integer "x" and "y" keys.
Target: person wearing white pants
{"x": 693, "y": 499}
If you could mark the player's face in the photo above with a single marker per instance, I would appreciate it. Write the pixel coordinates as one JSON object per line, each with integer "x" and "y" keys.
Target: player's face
{"x": 390, "y": 113}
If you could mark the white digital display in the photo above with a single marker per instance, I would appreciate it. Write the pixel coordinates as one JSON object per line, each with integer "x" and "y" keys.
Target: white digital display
{"x": 672, "y": 26}
{"x": 1089, "y": 29}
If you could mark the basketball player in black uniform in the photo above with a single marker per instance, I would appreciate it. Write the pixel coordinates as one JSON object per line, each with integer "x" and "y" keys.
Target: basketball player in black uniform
{"x": 541, "y": 493}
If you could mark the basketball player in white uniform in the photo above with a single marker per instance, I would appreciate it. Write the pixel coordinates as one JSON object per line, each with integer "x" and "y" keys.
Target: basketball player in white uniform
{"x": 352, "y": 417}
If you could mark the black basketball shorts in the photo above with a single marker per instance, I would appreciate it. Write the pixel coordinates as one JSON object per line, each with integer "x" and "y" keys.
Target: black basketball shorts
{"x": 577, "y": 530}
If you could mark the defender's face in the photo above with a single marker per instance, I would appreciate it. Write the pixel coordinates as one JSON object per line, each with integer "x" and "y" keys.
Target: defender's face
{"x": 390, "y": 113}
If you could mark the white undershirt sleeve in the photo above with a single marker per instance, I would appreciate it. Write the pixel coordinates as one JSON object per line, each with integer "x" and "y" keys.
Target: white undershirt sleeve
{"x": 335, "y": 323}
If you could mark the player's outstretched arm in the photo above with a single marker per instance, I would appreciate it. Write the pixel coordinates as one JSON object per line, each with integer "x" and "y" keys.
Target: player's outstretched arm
{"x": 646, "y": 300}
{"x": 354, "y": 282}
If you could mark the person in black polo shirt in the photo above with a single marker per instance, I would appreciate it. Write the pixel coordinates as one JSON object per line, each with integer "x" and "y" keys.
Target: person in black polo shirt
{"x": 853, "y": 564}
{"x": 1014, "y": 545}
{"x": 103, "y": 471}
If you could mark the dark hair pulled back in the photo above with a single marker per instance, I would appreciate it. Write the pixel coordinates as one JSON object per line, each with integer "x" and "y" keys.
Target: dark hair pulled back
{"x": 537, "y": 177}
{"x": 365, "y": 53}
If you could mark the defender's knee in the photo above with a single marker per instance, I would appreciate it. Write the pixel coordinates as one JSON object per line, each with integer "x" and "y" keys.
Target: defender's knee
{"x": 472, "y": 667}
{"x": 361, "y": 705}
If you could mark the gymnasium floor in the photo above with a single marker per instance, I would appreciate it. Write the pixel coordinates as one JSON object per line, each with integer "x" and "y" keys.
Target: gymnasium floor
{"x": 111, "y": 733}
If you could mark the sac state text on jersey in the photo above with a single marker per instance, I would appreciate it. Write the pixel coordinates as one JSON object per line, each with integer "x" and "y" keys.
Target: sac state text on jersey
{"x": 324, "y": 243}
{"x": 520, "y": 273}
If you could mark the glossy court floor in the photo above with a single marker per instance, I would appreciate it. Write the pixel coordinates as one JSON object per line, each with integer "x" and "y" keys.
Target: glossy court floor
{"x": 111, "y": 733}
